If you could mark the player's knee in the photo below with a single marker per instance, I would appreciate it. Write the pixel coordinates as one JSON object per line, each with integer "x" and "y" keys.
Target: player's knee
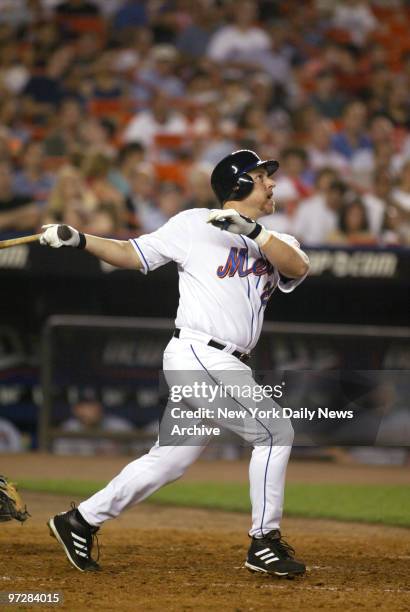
{"x": 174, "y": 470}
{"x": 284, "y": 434}
{"x": 291, "y": 432}
{"x": 278, "y": 433}
{"x": 288, "y": 433}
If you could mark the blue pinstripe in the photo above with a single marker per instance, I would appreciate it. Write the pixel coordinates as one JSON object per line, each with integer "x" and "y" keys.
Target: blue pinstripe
{"x": 269, "y": 433}
{"x": 142, "y": 254}
{"x": 249, "y": 289}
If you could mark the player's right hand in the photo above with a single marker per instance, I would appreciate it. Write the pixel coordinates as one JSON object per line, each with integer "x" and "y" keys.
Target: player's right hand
{"x": 56, "y": 236}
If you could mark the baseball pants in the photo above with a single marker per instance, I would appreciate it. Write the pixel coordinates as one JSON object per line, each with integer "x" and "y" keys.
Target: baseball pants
{"x": 166, "y": 463}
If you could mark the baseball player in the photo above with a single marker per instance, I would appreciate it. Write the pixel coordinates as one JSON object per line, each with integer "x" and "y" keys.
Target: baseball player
{"x": 225, "y": 281}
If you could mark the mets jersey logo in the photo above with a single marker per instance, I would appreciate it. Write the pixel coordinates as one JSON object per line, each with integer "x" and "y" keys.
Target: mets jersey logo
{"x": 237, "y": 262}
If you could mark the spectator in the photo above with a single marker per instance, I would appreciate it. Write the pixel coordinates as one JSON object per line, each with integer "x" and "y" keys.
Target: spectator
{"x": 352, "y": 75}
{"x": 158, "y": 75}
{"x": 106, "y": 84}
{"x": 286, "y": 211}
{"x": 201, "y": 92}
{"x": 353, "y": 227}
{"x": 253, "y": 124}
{"x": 88, "y": 418}
{"x": 14, "y": 74}
{"x": 10, "y": 438}
{"x": 42, "y": 92}
{"x": 293, "y": 182}
{"x": 392, "y": 233}
{"x": 95, "y": 167}
{"x": 143, "y": 213}
{"x": 45, "y": 39}
{"x": 94, "y": 136}
{"x": 319, "y": 148}
{"x": 134, "y": 51}
{"x": 110, "y": 212}
{"x": 71, "y": 201}
{"x": 107, "y": 8}
{"x": 234, "y": 96}
{"x": 376, "y": 54}
{"x": 159, "y": 119}
{"x": 281, "y": 221}
{"x": 200, "y": 194}
{"x": 239, "y": 41}
{"x": 170, "y": 199}
{"x": 18, "y": 132}
{"x": 87, "y": 52}
{"x": 378, "y": 86}
{"x": 128, "y": 158}
{"x": 132, "y": 13}
{"x": 353, "y": 137}
{"x": 33, "y": 180}
{"x": 77, "y": 8}
{"x": 199, "y": 73}
{"x": 385, "y": 157}
{"x": 267, "y": 94}
{"x": 401, "y": 193}
{"x": 397, "y": 104}
{"x": 63, "y": 138}
{"x": 378, "y": 199}
{"x": 18, "y": 213}
{"x": 5, "y": 152}
{"x": 275, "y": 63}
{"x": 401, "y": 200}
{"x": 317, "y": 217}
{"x": 193, "y": 40}
{"x": 356, "y": 17}
{"x": 15, "y": 12}
{"x": 364, "y": 161}
{"x": 221, "y": 144}
{"x": 327, "y": 98}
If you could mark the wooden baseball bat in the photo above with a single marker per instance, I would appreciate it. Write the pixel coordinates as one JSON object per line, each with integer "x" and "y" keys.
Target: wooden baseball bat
{"x": 6, "y": 244}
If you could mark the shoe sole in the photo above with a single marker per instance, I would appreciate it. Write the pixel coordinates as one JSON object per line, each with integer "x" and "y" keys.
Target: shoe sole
{"x": 54, "y": 533}
{"x": 255, "y": 569}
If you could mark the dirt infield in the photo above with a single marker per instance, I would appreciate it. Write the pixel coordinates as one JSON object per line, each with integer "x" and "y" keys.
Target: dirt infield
{"x": 157, "y": 558}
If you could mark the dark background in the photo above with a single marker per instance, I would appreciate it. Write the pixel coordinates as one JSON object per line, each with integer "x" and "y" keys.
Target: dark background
{"x": 73, "y": 282}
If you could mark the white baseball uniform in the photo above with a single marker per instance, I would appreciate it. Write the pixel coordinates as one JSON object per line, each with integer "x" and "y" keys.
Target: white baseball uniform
{"x": 225, "y": 283}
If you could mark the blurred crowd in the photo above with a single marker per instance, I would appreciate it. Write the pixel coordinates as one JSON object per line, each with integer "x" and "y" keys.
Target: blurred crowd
{"x": 114, "y": 112}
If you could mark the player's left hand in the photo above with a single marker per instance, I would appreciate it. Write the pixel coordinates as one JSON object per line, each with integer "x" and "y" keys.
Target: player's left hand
{"x": 56, "y": 236}
{"x": 232, "y": 221}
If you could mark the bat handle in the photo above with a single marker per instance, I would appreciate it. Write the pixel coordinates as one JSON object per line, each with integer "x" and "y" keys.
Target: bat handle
{"x": 6, "y": 244}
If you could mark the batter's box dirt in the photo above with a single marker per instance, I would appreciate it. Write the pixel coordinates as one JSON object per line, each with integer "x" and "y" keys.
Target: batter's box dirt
{"x": 181, "y": 559}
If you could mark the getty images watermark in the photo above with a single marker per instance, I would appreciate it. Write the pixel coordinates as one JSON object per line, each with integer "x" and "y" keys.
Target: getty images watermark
{"x": 294, "y": 407}
{"x": 257, "y": 393}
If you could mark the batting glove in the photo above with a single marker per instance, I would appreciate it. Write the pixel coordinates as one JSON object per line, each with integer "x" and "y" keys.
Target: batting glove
{"x": 57, "y": 236}
{"x": 232, "y": 221}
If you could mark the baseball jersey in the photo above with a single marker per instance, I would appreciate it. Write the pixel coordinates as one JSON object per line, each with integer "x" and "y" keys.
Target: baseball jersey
{"x": 225, "y": 281}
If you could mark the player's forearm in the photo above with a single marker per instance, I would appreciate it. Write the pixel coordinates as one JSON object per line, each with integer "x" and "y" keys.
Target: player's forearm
{"x": 119, "y": 253}
{"x": 290, "y": 261}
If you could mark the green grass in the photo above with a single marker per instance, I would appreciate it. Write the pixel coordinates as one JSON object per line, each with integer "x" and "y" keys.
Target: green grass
{"x": 388, "y": 504}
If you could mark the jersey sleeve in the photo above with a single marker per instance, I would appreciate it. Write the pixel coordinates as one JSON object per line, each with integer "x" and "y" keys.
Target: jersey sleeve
{"x": 285, "y": 284}
{"x": 171, "y": 242}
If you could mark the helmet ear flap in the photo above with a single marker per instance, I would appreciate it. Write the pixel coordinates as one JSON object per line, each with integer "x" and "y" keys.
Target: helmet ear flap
{"x": 242, "y": 188}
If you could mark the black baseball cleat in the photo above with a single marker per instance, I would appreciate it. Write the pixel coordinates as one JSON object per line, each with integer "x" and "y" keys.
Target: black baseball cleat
{"x": 76, "y": 537}
{"x": 272, "y": 555}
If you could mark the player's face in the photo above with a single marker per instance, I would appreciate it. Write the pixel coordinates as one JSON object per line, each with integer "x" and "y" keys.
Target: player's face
{"x": 260, "y": 200}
